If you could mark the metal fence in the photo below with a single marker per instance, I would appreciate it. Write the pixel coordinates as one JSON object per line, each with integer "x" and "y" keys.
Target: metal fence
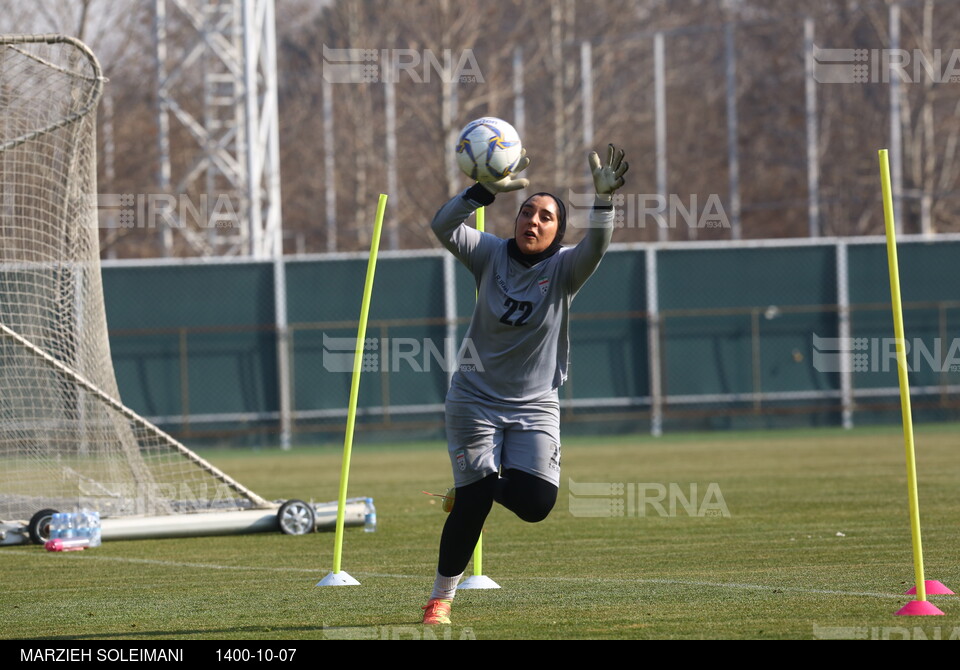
{"x": 665, "y": 336}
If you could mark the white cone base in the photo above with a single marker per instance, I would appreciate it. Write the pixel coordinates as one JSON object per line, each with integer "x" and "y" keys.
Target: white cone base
{"x": 478, "y": 582}
{"x": 338, "y": 579}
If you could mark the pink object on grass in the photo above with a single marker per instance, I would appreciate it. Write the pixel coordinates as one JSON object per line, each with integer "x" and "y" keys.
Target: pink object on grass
{"x": 918, "y": 608}
{"x": 933, "y": 587}
{"x": 73, "y": 544}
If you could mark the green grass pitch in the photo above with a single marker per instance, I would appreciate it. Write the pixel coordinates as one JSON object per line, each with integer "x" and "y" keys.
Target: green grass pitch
{"x": 817, "y": 544}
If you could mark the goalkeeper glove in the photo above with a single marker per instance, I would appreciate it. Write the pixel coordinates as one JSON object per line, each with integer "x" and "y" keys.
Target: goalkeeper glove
{"x": 510, "y": 182}
{"x": 608, "y": 177}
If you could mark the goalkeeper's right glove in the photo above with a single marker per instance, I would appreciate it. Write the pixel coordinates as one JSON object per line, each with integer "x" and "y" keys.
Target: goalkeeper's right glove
{"x": 510, "y": 182}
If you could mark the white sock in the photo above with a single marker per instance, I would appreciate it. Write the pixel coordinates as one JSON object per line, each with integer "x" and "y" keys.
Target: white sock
{"x": 445, "y": 587}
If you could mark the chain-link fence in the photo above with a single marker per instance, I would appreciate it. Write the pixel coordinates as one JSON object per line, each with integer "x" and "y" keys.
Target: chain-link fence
{"x": 664, "y": 337}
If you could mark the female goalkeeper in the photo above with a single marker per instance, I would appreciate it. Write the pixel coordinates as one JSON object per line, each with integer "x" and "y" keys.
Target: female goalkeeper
{"x": 502, "y": 409}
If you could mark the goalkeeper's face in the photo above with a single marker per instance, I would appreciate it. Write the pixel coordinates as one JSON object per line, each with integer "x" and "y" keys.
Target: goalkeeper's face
{"x": 536, "y": 224}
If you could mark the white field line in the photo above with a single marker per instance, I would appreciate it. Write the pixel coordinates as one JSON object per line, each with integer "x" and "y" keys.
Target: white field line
{"x": 611, "y": 580}
{"x": 173, "y": 564}
{"x": 736, "y": 586}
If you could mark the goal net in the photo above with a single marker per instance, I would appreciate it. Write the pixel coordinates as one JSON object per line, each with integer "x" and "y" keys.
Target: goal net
{"x": 66, "y": 441}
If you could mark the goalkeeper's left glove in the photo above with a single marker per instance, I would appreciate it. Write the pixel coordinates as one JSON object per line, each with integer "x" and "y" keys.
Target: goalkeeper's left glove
{"x": 608, "y": 178}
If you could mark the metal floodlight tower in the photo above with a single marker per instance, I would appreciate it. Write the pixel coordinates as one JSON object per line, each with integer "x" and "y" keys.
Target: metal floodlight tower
{"x": 217, "y": 79}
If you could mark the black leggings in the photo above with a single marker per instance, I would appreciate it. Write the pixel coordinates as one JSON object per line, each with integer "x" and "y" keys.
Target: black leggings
{"x": 526, "y": 495}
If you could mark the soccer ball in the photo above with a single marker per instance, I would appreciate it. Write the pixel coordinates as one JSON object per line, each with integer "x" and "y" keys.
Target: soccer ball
{"x": 488, "y": 149}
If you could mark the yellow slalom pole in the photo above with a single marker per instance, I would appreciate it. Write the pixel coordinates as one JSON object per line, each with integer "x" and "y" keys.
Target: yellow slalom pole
{"x": 355, "y": 391}
{"x": 894, "y": 270}
{"x": 478, "y": 580}
{"x": 478, "y": 556}
{"x": 478, "y": 550}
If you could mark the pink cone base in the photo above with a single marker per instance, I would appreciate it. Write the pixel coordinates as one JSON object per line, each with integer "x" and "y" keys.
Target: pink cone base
{"x": 918, "y": 608}
{"x": 933, "y": 587}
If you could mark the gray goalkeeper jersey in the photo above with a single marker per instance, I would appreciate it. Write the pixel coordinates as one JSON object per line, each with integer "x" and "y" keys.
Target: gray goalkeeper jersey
{"x": 517, "y": 347}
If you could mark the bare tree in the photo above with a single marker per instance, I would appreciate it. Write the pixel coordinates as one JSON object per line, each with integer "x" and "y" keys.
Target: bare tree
{"x": 421, "y": 45}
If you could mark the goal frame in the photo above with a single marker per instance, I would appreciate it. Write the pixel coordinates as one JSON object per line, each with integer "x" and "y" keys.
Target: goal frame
{"x": 60, "y": 372}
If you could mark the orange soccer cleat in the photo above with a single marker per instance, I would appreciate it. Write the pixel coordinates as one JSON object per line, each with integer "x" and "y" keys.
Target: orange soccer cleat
{"x": 436, "y": 611}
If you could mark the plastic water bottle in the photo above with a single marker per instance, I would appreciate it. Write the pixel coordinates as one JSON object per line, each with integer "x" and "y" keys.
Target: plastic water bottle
{"x": 81, "y": 525}
{"x": 56, "y": 526}
{"x": 370, "y": 517}
{"x": 95, "y": 530}
{"x": 73, "y": 531}
{"x": 91, "y": 526}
